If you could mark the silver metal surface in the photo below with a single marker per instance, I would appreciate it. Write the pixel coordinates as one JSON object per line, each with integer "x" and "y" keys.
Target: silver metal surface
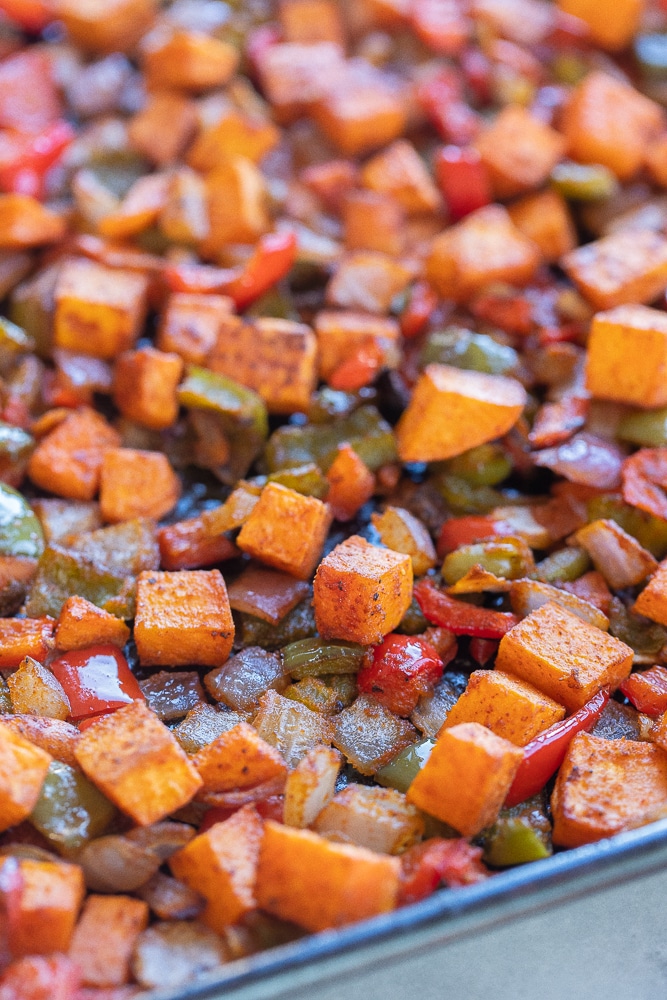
{"x": 589, "y": 922}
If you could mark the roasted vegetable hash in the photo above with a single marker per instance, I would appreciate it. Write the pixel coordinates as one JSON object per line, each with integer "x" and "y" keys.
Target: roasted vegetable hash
{"x": 333, "y": 464}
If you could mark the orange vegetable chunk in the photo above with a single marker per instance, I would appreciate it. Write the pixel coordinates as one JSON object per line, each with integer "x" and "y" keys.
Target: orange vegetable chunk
{"x": 611, "y": 26}
{"x": 605, "y": 786}
{"x": 399, "y": 171}
{"x": 137, "y": 763}
{"x": 311, "y": 21}
{"x": 351, "y": 483}
{"x": 626, "y": 267}
{"x": 519, "y": 151}
{"x": 360, "y": 115}
{"x": 341, "y": 334}
{"x": 545, "y": 219}
{"x": 23, "y": 768}
{"x": 49, "y": 906}
{"x": 361, "y": 591}
{"x": 367, "y": 281}
{"x": 221, "y": 865}
{"x": 68, "y": 460}
{"x": 191, "y": 544}
{"x": 136, "y": 483}
{"x": 25, "y": 222}
{"x": 104, "y": 938}
{"x": 286, "y": 530}
{"x": 319, "y": 884}
{"x": 99, "y": 310}
{"x": 234, "y": 134}
{"x": 373, "y": 222}
{"x": 509, "y": 707}
{"x": 237, "y": 209}
{"x": 183, "y": 617}
{"x": 627, "y": 356}
{"x": 164, "y": 126}
{"x": 21, "y": 637}
{"x": 453, "y": 410}
{"x": 190, "y": 324}
{"x": 145, "y": 384}
{"x": 275, "y": 357}
{"x": 607, "y": 121}
{"x": 564, "y": 656}
{"x": 138, "y": 210}
{"x": 239, "y": 759}
{"x": 652, "y": 601}
{"x": 188, "y": 60}
{"x": 81, "y": 624}
{"x": 57, "y": 738}
{"x": 485, "y": 247}
{"x": 466, "y": 777}
{"x": 106, "y": 25}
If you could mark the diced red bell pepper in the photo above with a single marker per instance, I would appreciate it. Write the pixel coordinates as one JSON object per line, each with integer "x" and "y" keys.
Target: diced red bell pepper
{"x": 96, "y": 680}
{"x": 424, "y": 866}
{"x": 358, "y": 369}
{"x": 459, "y": 617}
{"x": 482, "y": 650}
{"x": 644, "y": 477}
{"x": 29, "y": 100}
{"x": 466, "y": 530}
{"x": 272, "y": 260}
{"x": 187, "y": 545}
{"x": 24, "y": 170}
{"x": 402, "y": 669}
{"x": 544, "y": 755}
{"x": 463, "y": 180}
{"x": 30, "y": 15}
{"x": 647, "y": 690}
{"x": 512, "y": 313}
{"x": 41, "y": 977}
{"x": 421, "y": 303}
{"x": 441, "y": 25}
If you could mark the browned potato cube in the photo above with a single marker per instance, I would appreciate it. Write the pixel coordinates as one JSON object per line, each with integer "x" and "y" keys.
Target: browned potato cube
{"x": 373, "y": 222}
{"x": 182, "y": 618}
{"x": 652, "y": 602}
{"x": 627, "y": 355}
{"x": 519, "y": 151}
{"x": 163, "y": 128}
{"x": 361, "y": 591}
{"x": 35, "y": 691}
{"x": 191, "y": 323}
{"x": 626, "y": 267}
{"x": 188, "y": 60}
{"x": 136, "y": 483}
{"x": 361, "y": 115}
{"x": 82, "y": 624}
{"x": 399, "y": 171}
{"x": 367, "y": 281}
{"x": 286, "y": 530}
{"x": 106, "y": 25}
{"x": 545, "y": 219}
{"x": 145, "y": 384}
{"x": 340, "y": 334}
{"x": 99, "y": 310}
{"x": 68, "y": 460}
{"x": 237, "y": 205}
{"x": 105, "y": 936}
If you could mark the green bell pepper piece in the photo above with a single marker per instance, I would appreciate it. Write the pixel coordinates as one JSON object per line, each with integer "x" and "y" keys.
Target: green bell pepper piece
{"x": 70, "y": 810}
{"x": 402, "y": 769}
{"x": 462, "y": 348}
{"x": 312, "y": 657}
{"x": 20, "y": 531}
{"x": 364, "y": 429}
{"x": 62, "y": 573}
{"x": 16, "y": 447}
{"x": 503, "y": 557}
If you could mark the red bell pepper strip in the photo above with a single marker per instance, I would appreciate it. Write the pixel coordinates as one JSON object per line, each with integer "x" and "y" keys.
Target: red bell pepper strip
{"x": 465, "y": 531}
{"x": 424, "y": 866}
{"x": 401, "y": 670}
{"x": 544, "y": 755}
{"x": 96, "y": 680}
{"x": 463, "y": 180}
{"x": 459, "y": 617}
{"x": 31, "y": 15}
{"x": 24, "y": 173}
{"x": 272, "y": 260}
{"x": 359, "y": 369}
{"x": 647, "y": 690}
{"x": 415, "y": 316}
{"x": 482, "y": 650}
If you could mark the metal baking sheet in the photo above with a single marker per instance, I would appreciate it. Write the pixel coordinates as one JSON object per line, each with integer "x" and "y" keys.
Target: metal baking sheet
{"x": 588, "y": 922}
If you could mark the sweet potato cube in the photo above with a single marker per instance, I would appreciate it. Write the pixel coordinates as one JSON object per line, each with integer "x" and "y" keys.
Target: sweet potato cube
{"x": 351, "y": 483}
{"x": 483, "y": 248}
{"x": 98, "y": 310}
{"x": 341, "y": 334}
{"x": 234, "y": 134}
{"x": 611, "y": 26}
{"x": 182, "y": 618}
{"x": 35, "y": 691}
{"x": 453, "y": 410}
{"x": 403, "y": 532}
{"x": 275, "y": 357}
{"x": 138, "y": 210}
{"x": 367, "y": 281}
{"x": 545, "y": 219}
{"x": 106, "y": 25}
{"x": 360, "y": 116}
{"x": 49, "y": 905}
{"x": 607, "y": 121}
{"x": 25, "y": 222}
{"x": 189, "y": 60}
{"x": 319, "y": 884}
{"x": 399, "y": 171}
{"x": 373, "y": 222}
{"x": 519, "y": 151}
{"x": 361, "y": 591}
{"x": 136, "y": 483}
{"x": 145, "y": 384}
{"x": 563, "y": 656}
{"x": 104, "y": 938}
{"x": 311, "y": 21}
{"x": 294, "y": 74}
{"x": 21, "y": 637}
{"x": 627, "y": 356}
{"x": 652, "y": 601}
{"x": 55, "y": 737}
{"x": 605, "y": 786}
{"x": 137, "y": 763}
{"x": 163, "y": 128}
{"x": 239, "y": 758}
{"x": 190, "y": 324}
{"x": 221, "y": 865}
{"x": 286, "y": 530}
{"x": 507, "y": 706}
{"x": 237, "y": 205}
{"x": 68, "y": 460}
{"x": 626, "y": 267}
{"x": 81, "y": 624}
{"x": 466, "y": 777}
{"x": 23, "y": 768}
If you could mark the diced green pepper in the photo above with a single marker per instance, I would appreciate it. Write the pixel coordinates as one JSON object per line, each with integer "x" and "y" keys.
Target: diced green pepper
{"x": 519, "y": 835}
{"x": 70, "y": 810}
{"x": 364, "y": 429}
{"x": 20, "y": 531}
{"x": 463, "y": 498}
{"x": 651, "y": 532}
{"x": 583, "y": 181}
{"x": 16, "y": 446}
{"x": 402, "y": 769}
{"x": 563, "y": 566}
{"x": 464, "y": 349}
{"x": 644, "y": 637}
{"x": 413, "y": 621}
{"x": 504, "y": 557}
{"x": 486, "y": 465}
{"x": 306, "y": 479}
{"x": 297, "y": 624}
{"x": 647, "y": 428}
{"x": 32, "y": 305}
{"x": 312, "y": 657}
{"x": 62, "y": 573}
{"x": 328, "y": 404}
